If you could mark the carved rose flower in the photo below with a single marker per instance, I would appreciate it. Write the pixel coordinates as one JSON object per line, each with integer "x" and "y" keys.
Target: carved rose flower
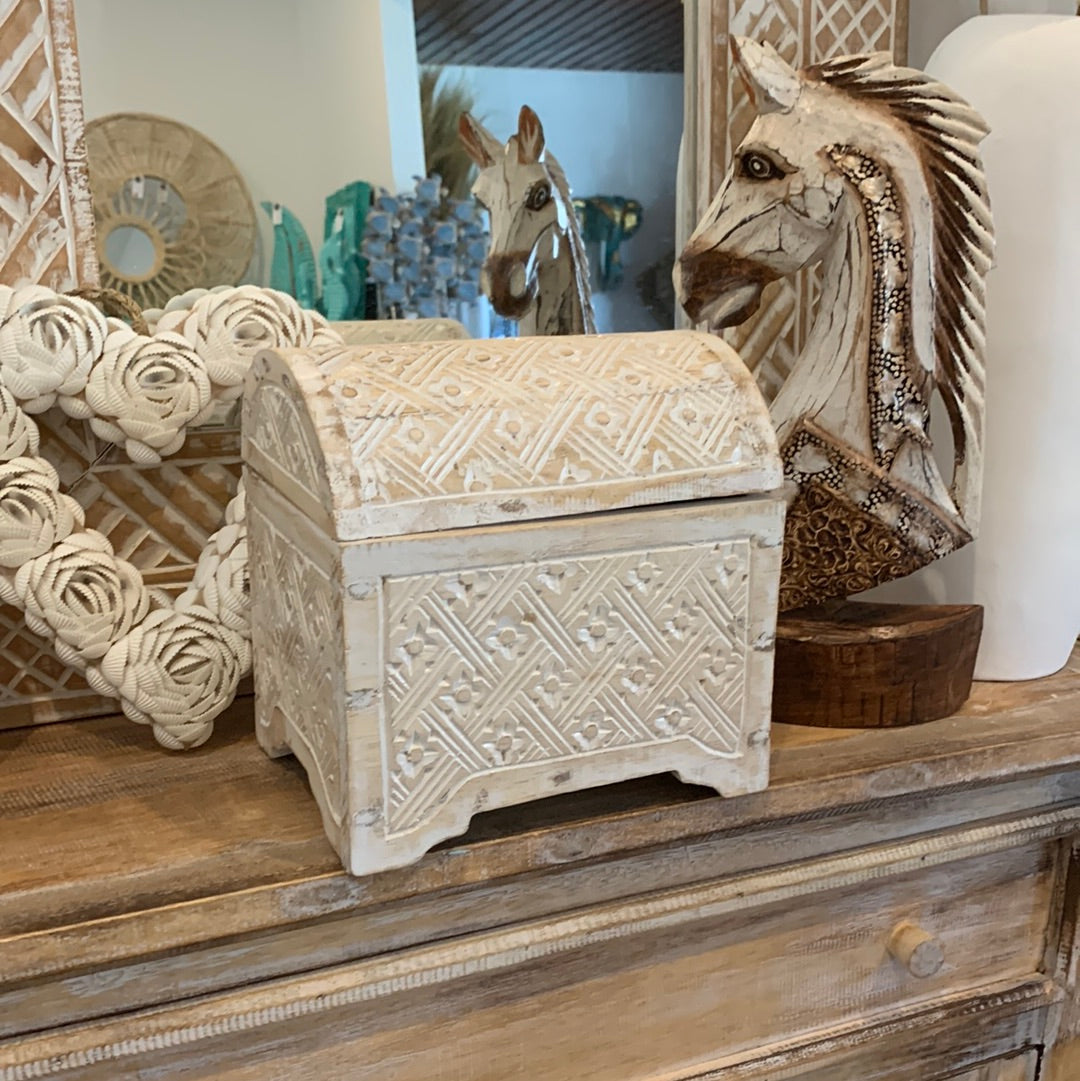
{"x": 81, "y": 593}
{"x": 220, "y": 582}
{"x": 18, "y": 433}
{"x": 228, "y": 328}
{"x": 176, "y": 669}
{"x": 47, "y": 344}
{"x": 33, "y": 514}
{"x": 144, "y": 392}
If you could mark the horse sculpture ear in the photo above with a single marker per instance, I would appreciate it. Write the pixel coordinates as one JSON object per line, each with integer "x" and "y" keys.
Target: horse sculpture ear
{"x": 530, "y": 135}
{"x": 771, "y": 81}
{"x": 480, "y": 144}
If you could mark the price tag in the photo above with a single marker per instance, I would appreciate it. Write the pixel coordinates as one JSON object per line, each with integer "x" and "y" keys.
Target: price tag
{"x": 275, "y": 214}
{"x": 138, "y": 186}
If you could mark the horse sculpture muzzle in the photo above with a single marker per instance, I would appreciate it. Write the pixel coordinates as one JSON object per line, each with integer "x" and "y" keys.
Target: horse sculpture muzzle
{"x": 511, "y": 282}
{"x": 717, "y": 288}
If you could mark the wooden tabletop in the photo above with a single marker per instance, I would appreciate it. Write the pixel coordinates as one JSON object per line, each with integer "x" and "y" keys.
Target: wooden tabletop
{"x": 97, "y": 821}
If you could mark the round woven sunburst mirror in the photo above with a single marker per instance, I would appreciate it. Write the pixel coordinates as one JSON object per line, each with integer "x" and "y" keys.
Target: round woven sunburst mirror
{"x": 172, "y": 213}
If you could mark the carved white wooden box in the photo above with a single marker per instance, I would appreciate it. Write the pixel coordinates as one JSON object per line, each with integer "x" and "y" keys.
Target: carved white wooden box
{"x": 485, "y": 572}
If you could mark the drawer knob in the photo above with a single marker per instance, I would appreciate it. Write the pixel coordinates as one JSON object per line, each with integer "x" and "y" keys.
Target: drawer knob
{"x": 917, "y": 950}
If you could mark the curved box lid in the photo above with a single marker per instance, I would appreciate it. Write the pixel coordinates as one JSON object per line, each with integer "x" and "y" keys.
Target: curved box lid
{"x": 380, "y": 441}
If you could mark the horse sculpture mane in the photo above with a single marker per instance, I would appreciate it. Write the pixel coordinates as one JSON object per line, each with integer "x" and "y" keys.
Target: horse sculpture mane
{"x": 872, "y": 170}
{"x": 580, "y": 260}
{"x": 948, "y": 133}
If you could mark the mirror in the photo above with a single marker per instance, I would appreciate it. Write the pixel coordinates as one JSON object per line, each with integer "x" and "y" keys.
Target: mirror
{"x": 131, "y": 251}
{"x": 171, "y": 210}
{"x": 328, "y": 113}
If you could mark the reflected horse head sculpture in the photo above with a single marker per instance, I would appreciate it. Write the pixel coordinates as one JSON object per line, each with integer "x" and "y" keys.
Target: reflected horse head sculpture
{"x": 873, "y": 171}
{"x": 536, "y": 271}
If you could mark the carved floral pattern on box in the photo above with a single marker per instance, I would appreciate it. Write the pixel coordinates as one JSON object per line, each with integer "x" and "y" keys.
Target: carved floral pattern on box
{"x": 482, "y": 666}
{"x": 803, "y": 32}
{"x": 308, "y": 618}
{"x": 491, "y": 430}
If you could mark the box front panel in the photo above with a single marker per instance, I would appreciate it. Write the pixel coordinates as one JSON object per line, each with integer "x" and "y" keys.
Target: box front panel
{"x": 520, "y": 661}
{"x": 542, "y": 662}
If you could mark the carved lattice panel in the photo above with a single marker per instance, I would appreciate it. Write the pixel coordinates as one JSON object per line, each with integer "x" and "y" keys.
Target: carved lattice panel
{"x": 46, "y": 221}
{"x": 485, "y": 667}
{"x": 804, "y": 32}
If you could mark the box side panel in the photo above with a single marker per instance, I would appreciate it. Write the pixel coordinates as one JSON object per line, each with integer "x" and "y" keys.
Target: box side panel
{"x": 296, "y": 621}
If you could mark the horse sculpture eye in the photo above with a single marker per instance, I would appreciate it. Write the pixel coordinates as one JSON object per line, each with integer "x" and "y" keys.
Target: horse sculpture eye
{"x": 538, "y": 197}
{"x": 759, "y": 167}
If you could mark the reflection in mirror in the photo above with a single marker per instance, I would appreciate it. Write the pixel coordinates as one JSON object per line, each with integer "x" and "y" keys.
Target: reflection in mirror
{"x": 610, "y": 96}
{"x": 130, "y": 251}
{"x": 323, "y": 106}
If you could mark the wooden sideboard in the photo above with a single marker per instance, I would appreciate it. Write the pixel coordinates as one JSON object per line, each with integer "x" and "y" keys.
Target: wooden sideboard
{"x": 897, "y": 906}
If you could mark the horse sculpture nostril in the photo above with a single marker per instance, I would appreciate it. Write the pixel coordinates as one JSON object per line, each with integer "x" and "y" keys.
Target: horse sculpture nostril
{"x": 677, "y": 279}
{"x": 518, "y": 283}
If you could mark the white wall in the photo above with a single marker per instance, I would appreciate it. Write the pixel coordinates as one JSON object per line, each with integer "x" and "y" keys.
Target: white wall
{"x": 300, "y": 95}
{"x": 614, "y": 133}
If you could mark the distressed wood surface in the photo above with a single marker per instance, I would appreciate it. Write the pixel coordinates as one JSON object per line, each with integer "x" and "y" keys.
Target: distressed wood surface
{"x": 132, "y": 880}
{"x": 46, "y": 219}
{"x": 1063, "y": 1058}
{"x": 862, "y": 665}
{"x": 224, "y": 818}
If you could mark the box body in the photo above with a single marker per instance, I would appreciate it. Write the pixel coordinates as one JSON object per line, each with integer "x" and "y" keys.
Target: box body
{"x": 422, "y": 676}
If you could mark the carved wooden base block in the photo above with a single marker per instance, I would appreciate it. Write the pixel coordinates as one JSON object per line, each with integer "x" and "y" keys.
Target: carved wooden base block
{"x": 488, "y": 572}
{"x": 860, "y": 665}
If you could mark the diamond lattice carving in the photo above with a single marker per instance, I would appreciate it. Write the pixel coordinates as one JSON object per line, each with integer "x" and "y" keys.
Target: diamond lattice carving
{"x": 298, "y": 615}
{"x": 440, "y": 428}
{"x": 491, "y": 669}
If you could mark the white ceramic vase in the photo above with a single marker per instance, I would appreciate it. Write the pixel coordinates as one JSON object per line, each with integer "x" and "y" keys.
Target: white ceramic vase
{"x": 1022, "y": 72}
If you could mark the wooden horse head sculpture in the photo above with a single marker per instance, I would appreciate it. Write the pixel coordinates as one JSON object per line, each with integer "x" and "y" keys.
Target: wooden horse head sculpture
{"x": 873, "y": 171}
{"x": 537, "y": 271}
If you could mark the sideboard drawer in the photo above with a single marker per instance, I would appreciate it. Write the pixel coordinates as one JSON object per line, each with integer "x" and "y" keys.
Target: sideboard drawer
{"x": 665, "y": 984}
{"x": 876, "y": 1067}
